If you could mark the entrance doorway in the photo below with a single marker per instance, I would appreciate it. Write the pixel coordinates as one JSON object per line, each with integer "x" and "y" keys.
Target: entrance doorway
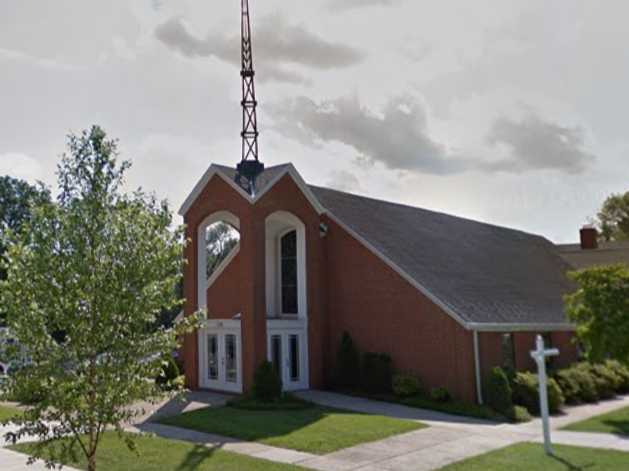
{"x": 288, "y": 352}
{"x": 220, "y": 355}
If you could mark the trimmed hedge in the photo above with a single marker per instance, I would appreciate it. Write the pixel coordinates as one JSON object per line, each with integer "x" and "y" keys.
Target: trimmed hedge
{"x": 526, "y": 393}
{"x": 569, "y": 384}
{"x": 377, "y": 376}
{"x": 499, "y": 391}
{"x": 622, "y": 371}
{"x": 588, "y": 392}
{"x": 605, "y": 384}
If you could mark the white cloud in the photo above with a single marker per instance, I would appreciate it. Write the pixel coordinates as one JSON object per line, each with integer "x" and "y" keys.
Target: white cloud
{"x": 277, "y": 47}
{"x": 396, "y": 136}
{"x": 535, "y": 144}
{"x": 19, "y": 165}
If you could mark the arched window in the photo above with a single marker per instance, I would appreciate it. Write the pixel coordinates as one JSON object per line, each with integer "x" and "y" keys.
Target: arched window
{"x": 288, "y": 273}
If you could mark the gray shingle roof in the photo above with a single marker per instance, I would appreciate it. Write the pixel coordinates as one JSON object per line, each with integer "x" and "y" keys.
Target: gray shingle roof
{"x": 483, "y": 273}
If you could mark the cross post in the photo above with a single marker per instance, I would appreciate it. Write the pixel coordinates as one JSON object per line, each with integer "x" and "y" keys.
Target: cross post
{"x": 539, "y": 355}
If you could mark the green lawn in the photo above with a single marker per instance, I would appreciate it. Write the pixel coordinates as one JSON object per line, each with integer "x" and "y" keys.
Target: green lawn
{"x": 158, "y": 454}
{"x": 314, "y": 430}
{"x": 613, "y": 422}
{"x": 531, "y": 457}
{"x": 7, "y": 412}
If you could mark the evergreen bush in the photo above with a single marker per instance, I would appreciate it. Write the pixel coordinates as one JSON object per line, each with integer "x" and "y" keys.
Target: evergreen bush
{"x": 267, "y": 385}
{"x": 377, "y": 373}
{"x": 499, "y": 391}
{"x": 347, "y": 370}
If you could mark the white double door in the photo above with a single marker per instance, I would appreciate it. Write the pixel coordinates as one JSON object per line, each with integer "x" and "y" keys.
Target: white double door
{"x": 221, "y": 356}
{"x": 288, "y": 352}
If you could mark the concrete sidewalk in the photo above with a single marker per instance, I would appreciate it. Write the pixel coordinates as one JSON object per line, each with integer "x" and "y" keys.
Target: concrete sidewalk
{"x": 13, "y": 461}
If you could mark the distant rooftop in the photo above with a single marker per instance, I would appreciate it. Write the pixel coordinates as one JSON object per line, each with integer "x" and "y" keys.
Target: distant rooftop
{"x": 607, "y": 253}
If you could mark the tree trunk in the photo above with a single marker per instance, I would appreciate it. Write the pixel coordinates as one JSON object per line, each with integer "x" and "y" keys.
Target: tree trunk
{"x": 91, "y": 461}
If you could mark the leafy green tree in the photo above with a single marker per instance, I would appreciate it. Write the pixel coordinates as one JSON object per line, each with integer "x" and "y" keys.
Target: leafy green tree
{"x": 16, "y": 199}
{"x": 600, "y": 309}
{"x": 613, "y": 218}
{"x": 220, "y": 239}
{"x": 98, "y": 266}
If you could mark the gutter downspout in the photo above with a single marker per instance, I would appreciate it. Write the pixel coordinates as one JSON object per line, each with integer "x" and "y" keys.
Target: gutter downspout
{"x": 479, "y": 387}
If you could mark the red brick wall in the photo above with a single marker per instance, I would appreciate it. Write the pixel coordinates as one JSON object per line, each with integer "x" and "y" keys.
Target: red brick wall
{"x": 565, "y": 342}
{"x": 223, "y": 297}
{"x": 384, "y": 313}
{"x": 241, "y": 287}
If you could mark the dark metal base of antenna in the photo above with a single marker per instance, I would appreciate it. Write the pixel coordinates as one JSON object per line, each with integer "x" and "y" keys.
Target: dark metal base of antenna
{"x": 250, "y": 169}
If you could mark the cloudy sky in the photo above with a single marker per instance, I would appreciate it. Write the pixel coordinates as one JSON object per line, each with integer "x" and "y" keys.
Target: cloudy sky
{"x": 511, "y": 112}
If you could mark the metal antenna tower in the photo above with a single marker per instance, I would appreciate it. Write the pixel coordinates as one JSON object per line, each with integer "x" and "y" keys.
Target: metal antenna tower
{"x": 249, "y": 167}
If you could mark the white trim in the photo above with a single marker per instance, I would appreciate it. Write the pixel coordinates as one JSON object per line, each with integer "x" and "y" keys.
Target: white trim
{"x": 229, "y": 324}
{"x": 224, "y": 263}
{"x": 273, "y": 264}
{"x": 479, "y": 385}
{"x": 214, "y": 170}
{"x": 514, "y": 327}
{"x": 399, "y": 271}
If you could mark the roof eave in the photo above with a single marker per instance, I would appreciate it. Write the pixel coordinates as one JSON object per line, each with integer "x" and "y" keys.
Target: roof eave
{"x": 521, "y": 327}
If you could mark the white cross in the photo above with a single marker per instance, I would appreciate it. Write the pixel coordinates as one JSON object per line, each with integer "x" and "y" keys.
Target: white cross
{"x": 540, "y": 355}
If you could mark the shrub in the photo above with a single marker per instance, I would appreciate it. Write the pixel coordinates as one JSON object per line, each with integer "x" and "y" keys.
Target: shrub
{"x": 518, "y": 414}
{"x": 569, "y": 384}
{"x": 377, "y": 372}
{"x": 406, "y": 385}
{"x": 499, "y": 391}
{"x": 603, "y": 379}
{"x": 267, "y": 385}
{"x": 556, "y": 399}
{"x": 526, "y": 393}
{"x": 169, "y": 375}
{"x": 347, "y": 371}
{"x": 440, "y": 395}
{"x": 622, "y": 372}
{"x": 588, "y": 391}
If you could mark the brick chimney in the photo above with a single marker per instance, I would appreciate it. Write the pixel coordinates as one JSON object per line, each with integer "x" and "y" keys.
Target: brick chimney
{"x": 589, "y": 238}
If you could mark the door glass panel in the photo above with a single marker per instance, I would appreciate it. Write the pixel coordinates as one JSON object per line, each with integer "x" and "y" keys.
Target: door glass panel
{"x": 231, "y": 368}
{"x": 294, "y": 357}
{"x": 212, "y": 356}
{"x": 276, "y": 353}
